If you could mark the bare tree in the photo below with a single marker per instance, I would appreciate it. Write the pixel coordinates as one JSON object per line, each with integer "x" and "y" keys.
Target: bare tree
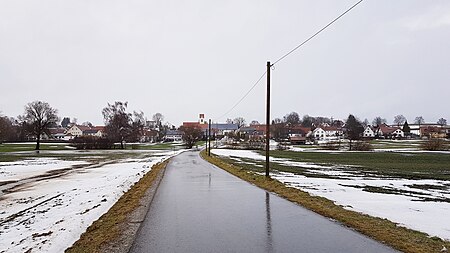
{"x": 419, "y": 120}
{"x": 254, "y": 122}
{"x": 377, "y": 121}
{"x": 399, "y": 120}
{"x": 292, "y": 119}
{"x": 307, "y": 121}
{"x": 240, "y": 121}
{"x": 118, "y": 121}
{"x": 191, "y": 135}
{"x": 137, "y": 126}
{"x": 321, "y": 120}
{"x": 277, "y": 121}
{"x": 7, "y": 129}
{"x": 38, "y": 118}
{"x": 279, "y": 131}
{"x": 442, "y": 121}
{"x": 229, "y": 121}
{"x": 365, "y": 122}
{"x": 87, "y": 124}
{"x": 158, "y": 118}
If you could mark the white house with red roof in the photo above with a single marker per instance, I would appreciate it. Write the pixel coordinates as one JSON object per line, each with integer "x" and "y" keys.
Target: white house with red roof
{"x": 324, "y": 132}
{"x": 80, "y": 130}
{"x": 386, "y": 131}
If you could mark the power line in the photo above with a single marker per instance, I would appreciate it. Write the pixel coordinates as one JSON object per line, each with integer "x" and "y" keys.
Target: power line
{"x": 288, "y": 53}
{"x": 246, "y": 94}
{"x": 317, "y": 33}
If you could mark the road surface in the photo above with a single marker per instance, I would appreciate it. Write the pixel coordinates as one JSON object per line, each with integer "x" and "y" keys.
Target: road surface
{"x": 201, "y": 208}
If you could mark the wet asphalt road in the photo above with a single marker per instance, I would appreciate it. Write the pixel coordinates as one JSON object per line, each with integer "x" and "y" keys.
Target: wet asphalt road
{"x": 201, "y": 208}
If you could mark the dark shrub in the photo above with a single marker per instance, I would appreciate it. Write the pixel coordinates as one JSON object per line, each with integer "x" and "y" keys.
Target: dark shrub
{"x": 435, "y": 145}
{"x": 361, "y": 146}
{"x": 91, "y": 142}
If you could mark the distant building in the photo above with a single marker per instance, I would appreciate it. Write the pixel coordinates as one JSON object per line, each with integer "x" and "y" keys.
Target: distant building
{"x": 424, "y": 130}
{"x": 325, "y": 132}
{"x": 58, "y": 133}
{"x": 173, "y": 135}
{"x": 369, "y": 132}
{"x": 222, "y": 129}
{"x": 80, "y": 130}
{"x": 389, "y": 132}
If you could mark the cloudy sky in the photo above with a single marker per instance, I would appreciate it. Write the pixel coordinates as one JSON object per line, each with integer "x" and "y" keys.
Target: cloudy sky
{"x": 182, "y": 58}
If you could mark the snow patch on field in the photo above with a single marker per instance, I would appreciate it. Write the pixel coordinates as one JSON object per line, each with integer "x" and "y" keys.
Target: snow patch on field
{"x": 408, "y": 208}
{"x": 50, "y": 215}
{"x": 409, "y": 211}
{"x": 32, "y": 167}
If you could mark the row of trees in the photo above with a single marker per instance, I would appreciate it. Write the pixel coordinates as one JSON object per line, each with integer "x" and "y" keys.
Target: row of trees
{"x": 36, "y": 120}
{"x": 294, "y": 118}
{"x": 39, "y": 117}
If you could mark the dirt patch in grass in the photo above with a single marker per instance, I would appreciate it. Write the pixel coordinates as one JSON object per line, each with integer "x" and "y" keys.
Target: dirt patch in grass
{"x": 114, "y": 231}
{"x": 383, "y": 230}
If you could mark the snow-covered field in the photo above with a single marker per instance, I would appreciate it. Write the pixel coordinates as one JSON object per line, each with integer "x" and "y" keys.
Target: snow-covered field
{"x": 47, "y": 203}
{"x": 416, "y": 207}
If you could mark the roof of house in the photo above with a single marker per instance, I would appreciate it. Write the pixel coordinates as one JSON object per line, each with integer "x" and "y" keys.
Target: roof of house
{"x": 331, "y": 128}
{"x": 195, "y": 124}
{"x": 224, "y": 126}
{"x": 90, "y": 131}
{"x": 81, "y": 127}
{"x": 57, "y": 130}
{"x": 99, "y": 128}
{"x": 260, "y": 127}
{"x": 174, "y": 132}
{"x": 388, "y": 129}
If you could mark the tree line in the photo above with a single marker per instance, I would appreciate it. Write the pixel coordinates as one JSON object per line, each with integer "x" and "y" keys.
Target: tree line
{"x": 39, "y": 117}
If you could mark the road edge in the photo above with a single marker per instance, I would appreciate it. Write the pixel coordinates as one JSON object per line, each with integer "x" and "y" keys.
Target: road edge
{"x": 134, "y": 220}
{"x": 115, "y": 230}
{"x": 381, "y": 230}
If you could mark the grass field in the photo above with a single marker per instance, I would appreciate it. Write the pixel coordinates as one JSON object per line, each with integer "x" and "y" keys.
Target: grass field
{"x": 18, "y": 151}
{"x": 385, "y": 164}
{"x": 20, "y": 147}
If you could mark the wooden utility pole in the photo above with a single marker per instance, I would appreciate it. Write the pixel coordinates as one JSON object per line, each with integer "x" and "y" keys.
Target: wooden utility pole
{"x": 209, "y": 138}
{"x": 268, "y": 119}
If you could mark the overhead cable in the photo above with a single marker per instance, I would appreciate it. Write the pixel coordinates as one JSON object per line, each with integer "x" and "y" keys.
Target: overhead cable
{"x": 246, "y": 94}
{"x": 317, "y": 33}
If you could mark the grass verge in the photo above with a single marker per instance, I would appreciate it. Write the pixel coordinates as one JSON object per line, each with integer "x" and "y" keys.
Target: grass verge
{"x": 383, "y": 230}
{"x": 108, "y": 227}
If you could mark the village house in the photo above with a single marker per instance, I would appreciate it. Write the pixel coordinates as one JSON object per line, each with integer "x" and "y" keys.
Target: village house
{"x": 251, "y": 132}
{"x": 57, "y": 133}
{"x": 149, "y": 135}
{"x": 298, "y": 134}
{"x": 369, "y": 132}
{"x": 79, "y": 130}
{"x": 429, "y": 129}
{"x": 433, "y": 131}
{"x": 173, "y": 135}
{"x": 327, "y": 132}
{"x": 222, "y": 129}
{"x": 389, "y": 132}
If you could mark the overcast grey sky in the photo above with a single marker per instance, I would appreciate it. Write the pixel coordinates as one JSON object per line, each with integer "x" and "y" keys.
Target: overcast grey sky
{"x": 182, "y": 58}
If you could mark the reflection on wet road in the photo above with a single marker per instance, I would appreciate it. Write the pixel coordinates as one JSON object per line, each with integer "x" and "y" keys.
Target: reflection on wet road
{"x": 200, "y": 208}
